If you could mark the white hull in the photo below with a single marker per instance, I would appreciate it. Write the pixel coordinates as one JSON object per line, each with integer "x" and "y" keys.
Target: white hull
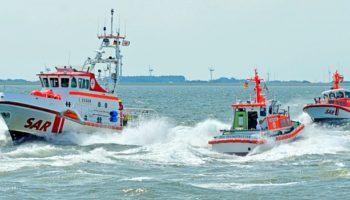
{"x": 234, "y": 148}
{"x": 327, "y": 112}
{"x": 43, "y": 118}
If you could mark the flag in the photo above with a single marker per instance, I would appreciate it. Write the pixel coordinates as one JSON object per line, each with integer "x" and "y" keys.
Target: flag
{"x": 265, "y": 87}
{"x": 126, "y": 43}
{"x": 245, "y": 86}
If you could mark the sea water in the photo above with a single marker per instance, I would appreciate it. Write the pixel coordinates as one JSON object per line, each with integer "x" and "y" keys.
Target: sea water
{"x": 168, "y": 156}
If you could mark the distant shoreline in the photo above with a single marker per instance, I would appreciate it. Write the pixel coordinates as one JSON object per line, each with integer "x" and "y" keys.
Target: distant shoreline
{"x": 37, "y": 83}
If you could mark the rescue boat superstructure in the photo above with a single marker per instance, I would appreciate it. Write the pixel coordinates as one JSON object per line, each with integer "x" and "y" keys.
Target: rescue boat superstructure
{"x": 333, "y": 106}
{"x": 254, "y": 123}
{"x": 72, "y": 100}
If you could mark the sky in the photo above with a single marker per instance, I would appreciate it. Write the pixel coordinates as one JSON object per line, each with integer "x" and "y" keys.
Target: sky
{"x": 290, "y": 39}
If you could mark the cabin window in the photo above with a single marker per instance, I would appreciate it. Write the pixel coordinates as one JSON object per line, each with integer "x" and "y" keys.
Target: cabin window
{"x": 331, "y": 95}
{"x": 105, "y": 105}
{"x": 87, "y": 84}
{"x": 81, "y": 83}
{"x": 340, "y": 95}
{"x": 263, "y": 111}
{"x": 46, "y": 82}
{"x": 347, "y": 94}
{"x": 284, "y": 122}
{"x": 73, "y": 84}
{"x": 54, "y": 82}
{"x": 64, "y": 82}
{"x": 325, "y": 96}
{"x": 41, "y": 81}
{"x": 99, "y": 104}
{"x": 252, "y": 119}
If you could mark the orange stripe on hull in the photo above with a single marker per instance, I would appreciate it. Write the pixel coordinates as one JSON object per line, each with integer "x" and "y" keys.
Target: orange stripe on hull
{"x": 237, "y": 140}
{"x": 292, "y": 134}
{"x": 56, "y": 124}
{"x": 99, "y": 96}
{"x": 258, "y": 141}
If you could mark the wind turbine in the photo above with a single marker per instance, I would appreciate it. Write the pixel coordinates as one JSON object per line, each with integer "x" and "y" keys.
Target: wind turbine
{"x": 211, "y": 73}
{"x": 150, "y": 70}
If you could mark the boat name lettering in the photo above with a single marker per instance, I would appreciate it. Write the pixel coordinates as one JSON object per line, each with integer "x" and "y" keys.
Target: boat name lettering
{"x": 330, "y": 112}
{"x": 37, "y": 125}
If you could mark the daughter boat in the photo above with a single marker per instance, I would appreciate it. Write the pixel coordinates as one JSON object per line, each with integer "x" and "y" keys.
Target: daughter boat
{"x": 256, "y": 123}
{"x": 73, "y": 100}
{"x": 334, "y": 106}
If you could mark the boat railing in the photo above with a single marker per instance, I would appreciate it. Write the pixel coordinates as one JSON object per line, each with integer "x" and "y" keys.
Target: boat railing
{"x": 247, "y": 135}
{"x": 136, "y": 113}
{"x": 335, "y": 101}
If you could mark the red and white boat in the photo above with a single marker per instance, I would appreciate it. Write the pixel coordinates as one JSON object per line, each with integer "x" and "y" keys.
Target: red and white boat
{"x": 256, "y": 123}
{"x": 333, "y": 106}
{"x": 73, "y": 100}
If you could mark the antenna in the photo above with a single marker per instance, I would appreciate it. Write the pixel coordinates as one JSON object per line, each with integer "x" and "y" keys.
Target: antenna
{"x": 104, "y": 27}
{"x": 268, "y": 76}
{"x": 112, "y": 12}
{"x": 68, "y": 58}
{"x": 119, "y": 24}
{"x": 125, "y": 28}
{"x": 211, "y": 73}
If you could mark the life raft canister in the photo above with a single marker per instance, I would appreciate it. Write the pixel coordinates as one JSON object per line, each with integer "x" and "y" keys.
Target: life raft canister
{"x": 46, "y": 93}
{"x": 114, "y": 116}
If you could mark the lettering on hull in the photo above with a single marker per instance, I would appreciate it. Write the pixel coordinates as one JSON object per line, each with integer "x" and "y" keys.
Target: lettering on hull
{"x": 332, "y": 112}
{"x": 38, "y": 125}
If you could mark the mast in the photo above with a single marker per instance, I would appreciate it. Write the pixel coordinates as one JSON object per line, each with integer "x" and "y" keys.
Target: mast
{"x": 113, "y": 62}
{"x": 259, "y": 97}
{"x": 112, "y": 12}
{"x": 337, "y": 78}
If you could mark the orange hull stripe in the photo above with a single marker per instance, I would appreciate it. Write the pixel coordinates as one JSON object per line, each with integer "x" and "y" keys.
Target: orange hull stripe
{"x": 248, "y": 105}
{"x": 99, "y": 96}
{"x": 258, "y": 141}
{"x": 251, "y": 141}
{"x": 56, "y": 124}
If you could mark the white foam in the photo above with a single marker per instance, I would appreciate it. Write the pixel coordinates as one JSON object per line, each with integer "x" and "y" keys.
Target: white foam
{"x": 314, "y": 140}
{"x": 4, "y": 139}
{"x": 240, "y": 186}
{"x": 166, "y": 143}
{"x": 32, "y": 156}
{"x": 138, "y": 179}
{"x": 159, "y": 140}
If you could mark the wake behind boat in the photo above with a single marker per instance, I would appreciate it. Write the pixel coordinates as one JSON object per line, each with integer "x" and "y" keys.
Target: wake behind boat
{"x": 333, "y": 106}
{"x": 256, "y": 123}
{"x": 73, "y": 100}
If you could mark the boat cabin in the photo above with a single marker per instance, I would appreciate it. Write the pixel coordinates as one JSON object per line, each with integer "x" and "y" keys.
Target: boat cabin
{"x": 339, "y": 97}
{"x": 261, "y": 116}
{"x": 65, "y": 80}
{"x": 336, "y": 94}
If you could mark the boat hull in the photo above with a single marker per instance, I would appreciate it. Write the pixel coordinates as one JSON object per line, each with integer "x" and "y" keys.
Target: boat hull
{"x": 237, "y": 148}
{"x": 31, "y": 121}
{"x": 239, "y": 144}
{"x": 327, "y": 113}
